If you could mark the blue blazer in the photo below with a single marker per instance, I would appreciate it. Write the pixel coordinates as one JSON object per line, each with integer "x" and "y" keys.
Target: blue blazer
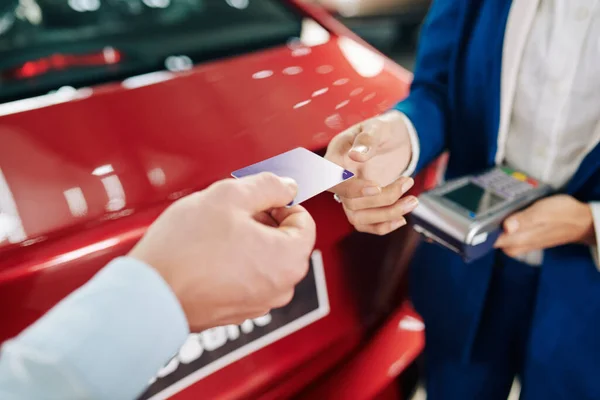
{"x": 454, "y": 105}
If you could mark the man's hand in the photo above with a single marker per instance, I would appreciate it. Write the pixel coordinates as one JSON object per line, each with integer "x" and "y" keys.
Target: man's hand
{"x": 550, "y": 222}
{"x": 377, "y": 151}
{"x": 232, "y": 251}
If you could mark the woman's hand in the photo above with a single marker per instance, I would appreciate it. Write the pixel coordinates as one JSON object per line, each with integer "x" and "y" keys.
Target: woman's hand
{"x": 377, "y": 151}
{"x": 550, "y": 222}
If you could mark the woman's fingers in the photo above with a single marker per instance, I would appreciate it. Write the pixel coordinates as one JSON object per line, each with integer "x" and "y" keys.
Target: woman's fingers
{"x": 387, "y": 196}
{"x": 371, "y": 216}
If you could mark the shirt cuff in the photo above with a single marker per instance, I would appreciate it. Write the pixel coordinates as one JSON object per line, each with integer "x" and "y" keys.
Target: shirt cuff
{"x": 595, "y": 206}
{"x": 112, "y": 335}
{"x": 414, "y": 145}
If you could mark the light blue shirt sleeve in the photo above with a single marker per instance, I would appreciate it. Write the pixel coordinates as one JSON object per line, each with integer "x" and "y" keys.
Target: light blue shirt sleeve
{"x": 104, "y": 341}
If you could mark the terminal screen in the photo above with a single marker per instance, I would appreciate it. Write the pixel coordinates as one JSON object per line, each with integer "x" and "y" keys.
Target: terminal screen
{"x": 474, "y": 198}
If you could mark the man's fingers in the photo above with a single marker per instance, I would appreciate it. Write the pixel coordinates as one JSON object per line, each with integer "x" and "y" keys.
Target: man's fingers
{"x": 279, "y": 215}
{"x": 297, "y": 223}
{"x": 366, "y": 142}
{"x": 239, "y": 318}
{"x": 395, "y": 212}
{"x": 283, "y": 299}
{"x": 262, "y": 192}
{"x": 265, "y": 218}
{"x": 295, "y": 237}
{"x": 388, "y": 196}
{"x": 356, "y": 187}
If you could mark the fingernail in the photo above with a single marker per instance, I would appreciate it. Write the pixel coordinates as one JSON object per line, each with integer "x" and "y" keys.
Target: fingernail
{"x": 362, "y": 149}
{"x": 290, "y": 183}
{"x": 411, "y": 204}
{"x": 408, "y": 184}
{"x": 371, "y": 191}
{"x": 512, "y": 225}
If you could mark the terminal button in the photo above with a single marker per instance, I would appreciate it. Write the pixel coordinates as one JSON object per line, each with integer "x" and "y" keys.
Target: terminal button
{"x": 519, "y": 176}
{"x": 532, "y": 182}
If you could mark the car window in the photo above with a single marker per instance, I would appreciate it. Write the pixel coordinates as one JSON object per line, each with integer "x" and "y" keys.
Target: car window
{"x": 48, "y": 44}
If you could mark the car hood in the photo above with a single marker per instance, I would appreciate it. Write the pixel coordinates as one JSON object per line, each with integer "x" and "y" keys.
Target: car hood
{"x": 77, "y": 158}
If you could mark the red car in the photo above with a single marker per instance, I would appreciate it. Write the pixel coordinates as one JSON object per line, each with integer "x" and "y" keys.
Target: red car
{"x": 112, "y": 110}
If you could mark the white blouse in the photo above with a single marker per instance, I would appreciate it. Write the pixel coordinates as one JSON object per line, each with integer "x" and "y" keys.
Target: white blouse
{"x": 555, "y": 119}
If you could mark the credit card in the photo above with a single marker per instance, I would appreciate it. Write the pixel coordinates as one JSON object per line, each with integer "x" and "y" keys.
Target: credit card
{"x": 312, "y": 173}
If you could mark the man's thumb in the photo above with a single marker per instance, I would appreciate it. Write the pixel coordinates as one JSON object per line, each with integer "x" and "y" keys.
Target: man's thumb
{"x": 265, "y": 191}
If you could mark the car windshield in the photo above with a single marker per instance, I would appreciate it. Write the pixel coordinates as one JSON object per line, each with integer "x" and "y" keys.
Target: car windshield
{"x": 49, "y": 44}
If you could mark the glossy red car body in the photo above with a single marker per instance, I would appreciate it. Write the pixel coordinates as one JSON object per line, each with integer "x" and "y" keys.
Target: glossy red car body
{"x": 132, "y": 151}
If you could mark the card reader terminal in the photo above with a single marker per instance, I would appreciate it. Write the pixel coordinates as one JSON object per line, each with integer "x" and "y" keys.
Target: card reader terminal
{"x": 465, "y": 215}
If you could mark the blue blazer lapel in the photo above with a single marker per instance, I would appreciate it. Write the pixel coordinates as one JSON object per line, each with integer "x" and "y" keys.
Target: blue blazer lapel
{"x": 588, "y": 168}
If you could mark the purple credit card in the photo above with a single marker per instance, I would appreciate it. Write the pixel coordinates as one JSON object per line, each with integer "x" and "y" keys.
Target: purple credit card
{"x": 312, "y": 173}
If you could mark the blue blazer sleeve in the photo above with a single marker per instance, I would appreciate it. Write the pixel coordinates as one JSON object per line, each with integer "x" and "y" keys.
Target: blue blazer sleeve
{"x": 427, "y": 105}
{"x": 104, "y": 341}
